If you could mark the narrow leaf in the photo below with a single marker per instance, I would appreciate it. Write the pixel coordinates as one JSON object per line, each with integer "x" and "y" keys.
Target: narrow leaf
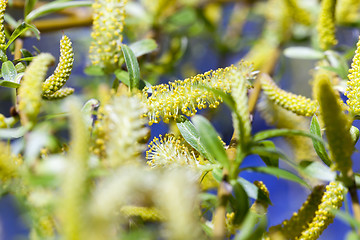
{"x": 191, "y": 135}
{"x": 284, "y": 132}
{"x": 269, "y": 160}
{"x": 8, "y": 71}
{"x": 143, "y": 47}
{"x": 281, "y": 173}
{"x": 239, "y": 202}
{"x": 210, "y": 140}
{"x": 303, "y": 53}
{"x": 12, "y": 133}
{"x": 132, "y": 66}
{"x": 21, "y": 29}
{"x": 29, "y": 6}
{"x": 317, "y": 170}
{"x": 319, "y": 146}
{"x": 249, "y": 230}
{"x": 9, "y": 84}
{"x": 54, "y": 7}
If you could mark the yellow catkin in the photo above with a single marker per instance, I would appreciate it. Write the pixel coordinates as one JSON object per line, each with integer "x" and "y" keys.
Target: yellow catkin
{"x": 326, "y": 24}
{"x": 292, "y": 228}
{"x": 185, "y": 97}
{"x": 347, "y": 11}
{"x": 29, "y": 97}
{"x": 337, "y": 124}
{"x": 298, "y": 14}
{"x": 9, "y": 164}
{"x": 60, "y": 94}
{"x": 279, "y": 117}
{"x": 332, "y": 199}
{"x": 238, "y": 79}
{"x": 297, "y": 104}
{"x": 125, "y": 127}
{"x": 108, "y": 24}
{"x": 168, "y": 151}
{"x": 353, "y": 85}
{"x": 2, "y": 121}
{"x": 2, "y": 29}
{"x": 62, "y": 72}
{"x": 74, "y": 186}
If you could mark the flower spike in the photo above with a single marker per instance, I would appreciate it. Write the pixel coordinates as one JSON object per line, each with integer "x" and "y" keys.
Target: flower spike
{"x": 185, "y": 97}
{"x": 60, "y": 94}
{"x": 332, "y": 199}
{"x": 108, "y": 24}
{"x": 326, "y": 24}
{"x": 2, "y": 30}
{"x": 62, "y": 72}
{"x": 296, "y": 103}
{"x": 29, "y": 96}
{"x": 353, "y": 85}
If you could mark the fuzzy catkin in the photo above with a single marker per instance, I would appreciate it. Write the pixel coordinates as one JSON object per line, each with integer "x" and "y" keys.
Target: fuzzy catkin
{"x": 2, "y": 29}
{"x": 62, "y": 72}
{"x": 238, "y": 78}
{"x": 292, "y": 228}
{"x": 9, "y": 164}
{"x": 347, "y": 11}
{"x": 29, "y": 97}
{"x": 297, "y": 104}
{"x": 332, "y": 199}
{"x": 60, "y": 94}
{"x": 337, "y": 124}
{"x": 353, "y": 85}
{"x": 108, "y": 24}
{"x": 125, "y": 127}
{"x": 168, "y": 152}
{"x": 326, "y": 24}
{"x": 72, "y": 204}
{"x": 169, "y": 101}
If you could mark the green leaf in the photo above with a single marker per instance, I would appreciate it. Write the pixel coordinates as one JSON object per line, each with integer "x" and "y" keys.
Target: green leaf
{"x": 217, "y": 174}
{"x": 303, "y": 53}
{"x": 192, "y": 136}
{"x": 319, "y": 146}
{"x": 132, "y": 66}
{"x": 239, "y": 202}
{"x": 88, "y": 111}
{"x": 210, "y": 140}
{"x": 8, "y": 71}
{"x": 280, "y": 173}
{"x": 9, "y": 84}
{"x": 123, "y": 76}
{"x": 143, "y": 47}
{"x": 269, "y": 160}
{"x": 29, "y": 6}
{"x": 338, "y": 62}
{"x": 352, "y": 235}
{"x": 271, "y": 153}
{"x": 12, "y": 133}
{"x": 20, "y": 67}
{"x": 345, "y": 217}
{"x": 284, "y": 132}
{"x": 253, "y": 191}
{"x": 23, "y": 27}
{"x": 249, "y": 230}
{"x": 54, "y": 7}
{"x": 317, "y": 170}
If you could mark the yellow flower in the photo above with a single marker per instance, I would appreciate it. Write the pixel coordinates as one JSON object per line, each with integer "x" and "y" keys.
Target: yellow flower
{"x": 185, "y": 97}
{"x": 295, "y": 103}
{"x": 29, "y": 96}
{"x": 108, "y": 24}
{"x": 62, "y": 72}
{"x": 332, "y": 199}
{"x": 2, "y": 30}
{"x": 326, "y": 24}
{"x": 9, "y": 164}
{"x": 337, "y": 124}
{"x": 353, "y": 85}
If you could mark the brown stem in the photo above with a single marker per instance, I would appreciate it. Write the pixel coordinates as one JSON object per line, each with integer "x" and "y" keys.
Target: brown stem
{"x": 220, "y": 211}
